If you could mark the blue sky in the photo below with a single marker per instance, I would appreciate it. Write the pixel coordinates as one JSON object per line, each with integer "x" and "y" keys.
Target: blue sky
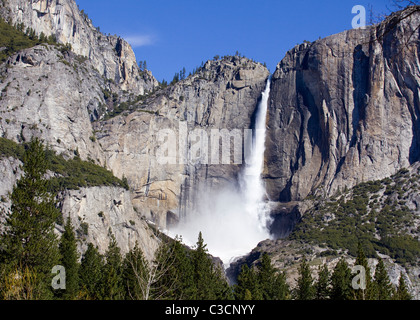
{"x": 172, "y": 34}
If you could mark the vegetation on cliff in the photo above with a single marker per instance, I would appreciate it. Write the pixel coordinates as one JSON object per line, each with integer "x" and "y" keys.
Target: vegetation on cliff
{"x": 68, "y": 173}
{"x": 16, "y": 38}
{"x": 375, "y": 213}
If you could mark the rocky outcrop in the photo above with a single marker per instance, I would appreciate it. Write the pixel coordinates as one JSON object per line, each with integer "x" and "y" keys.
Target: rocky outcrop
{"x": 112, "y": 56}
{"x": 95, "y": 212}
{"x": 9, "y": 172}
{"x": 53, "y": 95}
{"x": 223, "y": 94}
{"x": 345, "y": 109}
{"x": 287, "y": 255}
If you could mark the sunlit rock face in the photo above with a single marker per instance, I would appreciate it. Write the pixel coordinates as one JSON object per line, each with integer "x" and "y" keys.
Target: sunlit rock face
{"x": 345, "y": 109}
{"x": 112, "y": 56}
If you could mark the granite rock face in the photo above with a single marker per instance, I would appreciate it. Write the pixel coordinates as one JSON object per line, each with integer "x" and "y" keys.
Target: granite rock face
{"x": 97, "y": 211}
{"x": 287, "y": 255}
{"x": 222, "y": 95}
{"x": 112, "y": 56}
{"x": 345, "y": 109}
{"x": 52, "y": 95}
{"x": 342, "y": 110}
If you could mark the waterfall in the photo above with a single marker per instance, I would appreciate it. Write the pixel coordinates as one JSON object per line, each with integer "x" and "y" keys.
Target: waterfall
{"x": 234, "y": 220}
{"x": 252, "y": 186}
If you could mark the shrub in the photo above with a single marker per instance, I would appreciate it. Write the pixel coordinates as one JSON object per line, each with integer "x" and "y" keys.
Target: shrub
{"x": 72, "y": 174}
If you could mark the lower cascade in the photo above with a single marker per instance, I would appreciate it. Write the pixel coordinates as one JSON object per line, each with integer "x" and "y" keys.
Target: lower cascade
{"x": 233, "y": 220}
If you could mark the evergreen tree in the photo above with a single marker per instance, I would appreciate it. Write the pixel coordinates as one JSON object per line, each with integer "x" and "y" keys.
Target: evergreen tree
{"x": 163, "y": 275}
{"x": 202, "y": 271}
{"x": 164, "y": 83}
{"x": 168, "y": 274}
{"x": 272, "y": 284}
{"x": 112, "y": 286}
{"x": 265, "y": 277}
{"x": 305, "y": 289}
{"x": 222, "y": 289}
{"x": 341, "y": 281}
{"x": 361, "y": 260}
{"x": 69, "y": 260}
{"x": 382, "y": 285}
{"x": 135, "y": 273}
{"x": 322, "y": 286}
{"x": 247, "y": 296}
{"x": 281, "y": 288}
{"x": 91, "y": 273}
{"x": 402, "y": 290}
{"x": 29, "y": 241}
{"x": 182, "y": 74}
{"x": 247, "y": 287}
{"x": 177, "y": 282}
{"x": 209, "y": 281}
{"x": 175, "y": 78}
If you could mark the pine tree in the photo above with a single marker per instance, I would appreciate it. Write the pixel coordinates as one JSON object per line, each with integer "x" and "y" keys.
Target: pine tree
{"x": 163, "y": 274}
{"x": 341, "y": 281}
{"x": 29, "y": 241}
{"x": 135, "y": 273}
{"x": 305, "y": 289}
{"x": 265, "y": 277}
{"x": 178, "y": 281}
{"x": 281, "y": 288}
{"x": 402, "y": 290}
{"x": 247, "y": 295}
{"x": 271, "y": 283}
{"x": 69, "y": 259}
{"x": 202, "y": 271}
{"x": 175, "y": 78}
{"x": 112, "y": 286}
{"x": 382, "y": 285}
{"x": 222, "y": 289}
{"x": 247, "y": 287}
{"x": 322, "y": 286}
{"x": 208, "y": 280}
{"x": 361, "y": 260}
{"x": 182, "y": 74}
{"x": 91, "y": 273}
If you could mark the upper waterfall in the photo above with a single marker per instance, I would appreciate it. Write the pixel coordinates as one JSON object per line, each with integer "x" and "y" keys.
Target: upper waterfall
{"x": 252, "y": 186}
{"x": 233, "y": 220}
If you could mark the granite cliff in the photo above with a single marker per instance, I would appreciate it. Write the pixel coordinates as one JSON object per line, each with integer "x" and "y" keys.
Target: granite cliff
{"x": 345, "y": 109}
{"x": 112, "y": 56}
{"x": 342, "y": 110}
{"x": 221, "y": 95}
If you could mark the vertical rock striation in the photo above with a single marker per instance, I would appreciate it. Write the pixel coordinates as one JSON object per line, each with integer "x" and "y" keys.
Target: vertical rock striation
{"x": 222, "y": 95}
{"x": 345, "y": 109}
{"x": 112, "y": 56}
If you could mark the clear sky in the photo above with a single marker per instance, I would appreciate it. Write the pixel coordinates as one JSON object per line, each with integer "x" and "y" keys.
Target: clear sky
{"x": 172, "y": 34}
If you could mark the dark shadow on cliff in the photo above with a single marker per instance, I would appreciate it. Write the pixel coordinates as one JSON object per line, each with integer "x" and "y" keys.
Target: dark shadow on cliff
{"x": 360, "y": 78}
{"x": 285, "y": 217}
{"x": 415, "y": 116}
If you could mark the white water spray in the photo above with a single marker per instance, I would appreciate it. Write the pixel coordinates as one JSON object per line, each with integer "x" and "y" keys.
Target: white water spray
{"x": 252, "y": 186}
{"x": 234, "y": 221}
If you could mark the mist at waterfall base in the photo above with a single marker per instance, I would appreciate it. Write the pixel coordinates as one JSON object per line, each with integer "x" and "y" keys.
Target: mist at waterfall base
{"x": 234, "y": 219}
